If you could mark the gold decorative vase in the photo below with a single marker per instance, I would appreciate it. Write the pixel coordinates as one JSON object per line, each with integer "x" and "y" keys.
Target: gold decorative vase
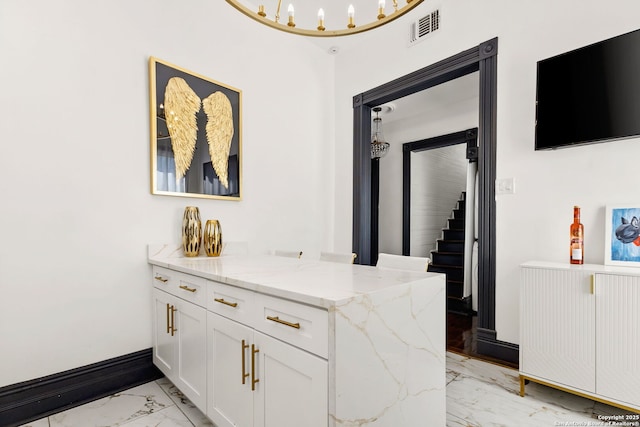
{"x": 191, "y": 231}
{"x": 212, "y": 238}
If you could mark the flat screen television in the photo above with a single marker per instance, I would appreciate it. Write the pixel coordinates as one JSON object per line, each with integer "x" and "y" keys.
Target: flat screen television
{"x": 588, "y": 95}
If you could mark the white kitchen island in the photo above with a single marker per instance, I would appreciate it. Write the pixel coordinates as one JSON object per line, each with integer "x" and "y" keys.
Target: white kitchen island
{"x": 276, "y": 342}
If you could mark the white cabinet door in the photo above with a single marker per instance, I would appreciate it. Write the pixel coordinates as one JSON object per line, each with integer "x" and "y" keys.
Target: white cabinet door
{"x": 557, "y": 326}
{"x": 293, "y": 386}
{"x": 163, "y": 343}
{"x": 618, "y": 335}
{"x": 179, "y": 346}
{"x": 230, "y": 399}
{"x": 190, "y": 324}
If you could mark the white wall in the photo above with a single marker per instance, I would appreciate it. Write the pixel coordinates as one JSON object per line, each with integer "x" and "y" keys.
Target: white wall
{"x": 77, "y": 212}
{"x": 532, "y": 223}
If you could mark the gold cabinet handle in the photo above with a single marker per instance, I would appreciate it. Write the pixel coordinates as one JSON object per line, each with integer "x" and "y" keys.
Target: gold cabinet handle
{"x": 283, "y": 322}
{"x": 222, "y": 301}
{"x": 254, "y": 380}
{"x": 168, "y": 324}
{"x": 173, "y": 320}
{"x": 186, "y": 288}
{"x": 161, "y": 279}
{"x": 593, "y": 284}
{"x": 244, "y": 374}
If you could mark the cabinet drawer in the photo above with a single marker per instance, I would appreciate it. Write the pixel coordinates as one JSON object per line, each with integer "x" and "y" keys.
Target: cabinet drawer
{"x": 230, "y": 301}
{"x": 297, "y": 324}
{"x": 185, "y": 286}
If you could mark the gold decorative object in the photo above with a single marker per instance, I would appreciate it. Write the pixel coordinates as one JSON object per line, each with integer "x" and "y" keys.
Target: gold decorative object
{"x": 339, "y": 13}
{"x": 212, "y": 238}
{"x": 189, "y": 158}
{"x": 219, "y": 133}
{"x": 181, "y": 104}
{"x": 191, "y": 231}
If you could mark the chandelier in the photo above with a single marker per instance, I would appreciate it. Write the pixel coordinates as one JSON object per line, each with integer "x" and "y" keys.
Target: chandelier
{"x": 379, "y": 147}
{"x": 309, "y": 17}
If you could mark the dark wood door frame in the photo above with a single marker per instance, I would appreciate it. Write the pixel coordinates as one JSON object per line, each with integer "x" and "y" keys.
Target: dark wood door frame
{"x": 482, "y": 58}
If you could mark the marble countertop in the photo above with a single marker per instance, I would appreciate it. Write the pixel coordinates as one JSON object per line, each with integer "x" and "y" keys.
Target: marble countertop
{"x": 314, "y": 282}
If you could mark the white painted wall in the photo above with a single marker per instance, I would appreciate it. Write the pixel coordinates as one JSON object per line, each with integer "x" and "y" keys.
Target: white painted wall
{"x": 532, "y": 223}
{"x": 77, "y": 212}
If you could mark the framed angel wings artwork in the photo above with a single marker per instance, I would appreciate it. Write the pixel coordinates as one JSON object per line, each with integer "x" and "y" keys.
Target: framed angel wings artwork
{"x": 196, "y": 134}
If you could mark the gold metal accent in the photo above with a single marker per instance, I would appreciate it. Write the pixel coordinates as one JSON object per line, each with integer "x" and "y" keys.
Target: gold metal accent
{"x": 222, "y": 301}
{"x": 186, "y": 288}
{"x": 168, "y": 324}
{"x": 351, "y": 23}
{"x": 261, "y": 11}
{"x": 244, "y": 375}
{"x": 328, "y": 33}
{"x": 173, "y": 320}
{"x": 254, "y": 380}
{"x": 593, "y": 284}
{"x": 381, "y": 14}
{"x": 291, "y": 23}
{"x": 522, "y": 380}
{"x": 191, "y": 231}
{"x": 212, "y": 238}
{"x": 278, "y": 11}
{"x": 283, "y": 322}
{"x": 577, "y": 393}
{"x": 161, "y": 279}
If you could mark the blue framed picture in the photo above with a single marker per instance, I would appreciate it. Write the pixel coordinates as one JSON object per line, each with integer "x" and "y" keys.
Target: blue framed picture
{"x": 622, "y": 235}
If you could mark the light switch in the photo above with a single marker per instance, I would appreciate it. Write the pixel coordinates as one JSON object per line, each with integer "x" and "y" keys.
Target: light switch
{"x": 505, "y": 186}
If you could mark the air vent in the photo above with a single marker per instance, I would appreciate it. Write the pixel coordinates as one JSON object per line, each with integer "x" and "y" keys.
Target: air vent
{"x": 424, "y": 26}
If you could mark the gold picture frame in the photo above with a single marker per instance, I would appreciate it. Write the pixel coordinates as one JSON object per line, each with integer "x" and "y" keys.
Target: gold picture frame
{"x": 196, "y": 134}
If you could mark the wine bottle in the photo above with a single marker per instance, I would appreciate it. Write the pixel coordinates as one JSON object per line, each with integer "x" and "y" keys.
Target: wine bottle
{"x": 576, "y": 248}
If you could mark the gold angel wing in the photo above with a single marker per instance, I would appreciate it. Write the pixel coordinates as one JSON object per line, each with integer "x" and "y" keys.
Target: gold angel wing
{"x": 219, "y": 132}
{"x": 181, "y": 104}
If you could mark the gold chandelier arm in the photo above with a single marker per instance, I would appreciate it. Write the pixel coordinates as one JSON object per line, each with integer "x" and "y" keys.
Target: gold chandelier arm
{"x": 260, "y": 17}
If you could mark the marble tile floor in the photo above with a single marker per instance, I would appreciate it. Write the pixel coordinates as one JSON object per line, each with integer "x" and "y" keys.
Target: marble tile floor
{"x": 478, "y": 394}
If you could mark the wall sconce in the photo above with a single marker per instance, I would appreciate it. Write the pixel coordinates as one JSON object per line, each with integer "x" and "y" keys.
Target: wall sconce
{"x": 339, "y": 16}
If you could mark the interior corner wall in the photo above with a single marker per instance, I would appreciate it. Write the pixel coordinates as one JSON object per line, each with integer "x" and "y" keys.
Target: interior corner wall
{"x": 77, "y": 213}
{"x": 532, "y": 223}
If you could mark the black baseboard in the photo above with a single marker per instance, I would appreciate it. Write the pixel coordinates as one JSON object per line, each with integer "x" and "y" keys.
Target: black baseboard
{"x": 488, "y": 345}
{"x": 31, "y": 400}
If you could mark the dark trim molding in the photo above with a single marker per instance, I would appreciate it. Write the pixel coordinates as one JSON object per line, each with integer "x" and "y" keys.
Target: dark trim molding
{"x": 490, "y": 346}
{"x": 482, "y": 58}
{"x": 31, "y": 400}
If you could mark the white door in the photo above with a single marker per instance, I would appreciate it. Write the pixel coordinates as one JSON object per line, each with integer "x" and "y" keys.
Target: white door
{"x": 292, "y": 388}
{"x": 557, "y": 326}
{"x": 163, "y": 343}
{"x": 230, "y": 399}
{"x": 618, "y": 336}
{"x": 190, "y": 324}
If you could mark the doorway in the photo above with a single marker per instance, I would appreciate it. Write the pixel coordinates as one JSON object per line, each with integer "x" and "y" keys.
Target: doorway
{"x": 482, "y": 58}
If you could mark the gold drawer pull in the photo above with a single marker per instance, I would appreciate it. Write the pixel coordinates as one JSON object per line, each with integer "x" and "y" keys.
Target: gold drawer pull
{"x": 222, "y": 301}
{"x": 186, "y": 288}
{"x": 173, "y": 320}
{"x": 283, "y": 322}
{"x": 254, "y": 380}
{"x": 161, "y": 279}
{"x": 244, "y": 373}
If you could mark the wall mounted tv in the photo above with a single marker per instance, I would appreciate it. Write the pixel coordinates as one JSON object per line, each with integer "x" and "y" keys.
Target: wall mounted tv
{"x": 591, "y": 94}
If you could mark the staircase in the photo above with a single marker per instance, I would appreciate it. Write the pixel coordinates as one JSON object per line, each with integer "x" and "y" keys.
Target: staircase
{"x": 448, "y": 258}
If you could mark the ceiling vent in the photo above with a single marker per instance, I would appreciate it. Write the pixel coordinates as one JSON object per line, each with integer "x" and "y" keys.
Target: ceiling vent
{"x": 424, "y": 26}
